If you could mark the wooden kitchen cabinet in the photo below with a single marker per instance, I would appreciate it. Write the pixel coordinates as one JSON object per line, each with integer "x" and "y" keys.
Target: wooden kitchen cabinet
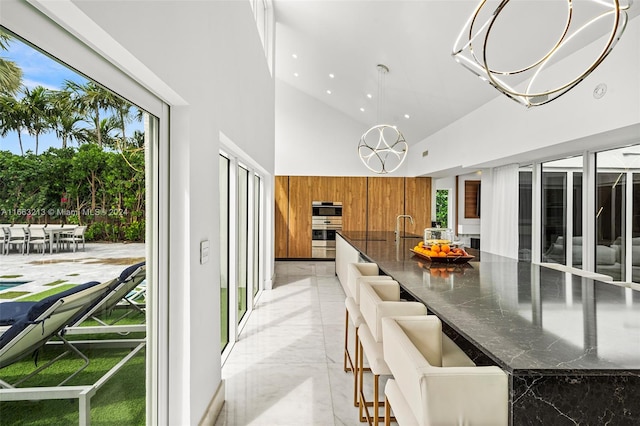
{"x": 281, "y": 217}
{"x": 417, "y": 203}
{"x": 368, "y": 203}
{"x": 303, "y": 190}
{"x": 385, "y": 202}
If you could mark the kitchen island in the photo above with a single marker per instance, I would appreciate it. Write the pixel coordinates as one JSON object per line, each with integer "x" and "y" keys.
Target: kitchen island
{"x": 570, "y": 344}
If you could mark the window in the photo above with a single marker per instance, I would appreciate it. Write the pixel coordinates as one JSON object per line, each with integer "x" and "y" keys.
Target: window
{"x": 257, "y": 240}
{"x": 561, "y": 216}
{"x": 241, "y": 237}
{"x": 442, "y": 208}
{"x": 525, "y": 213}
{"x": 243, "y": 241}
{"x": 263, "y": 14}
{"x": 617, "y": 213}
{"x": 224, "y": 252}
{"x": 95, "y": 167}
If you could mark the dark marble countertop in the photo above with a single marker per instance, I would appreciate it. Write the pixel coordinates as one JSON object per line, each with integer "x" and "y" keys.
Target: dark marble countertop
{"x": 525, "y": 317}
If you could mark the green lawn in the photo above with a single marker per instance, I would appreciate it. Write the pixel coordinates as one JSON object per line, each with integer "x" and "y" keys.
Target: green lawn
{"x": 121, "y": 401}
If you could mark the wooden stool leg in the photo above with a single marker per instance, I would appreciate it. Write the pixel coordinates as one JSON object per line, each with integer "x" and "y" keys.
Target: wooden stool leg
{"x": 387, "y": 412}
{"x": 376, "y": 381}
{"x": 346, "y": 343}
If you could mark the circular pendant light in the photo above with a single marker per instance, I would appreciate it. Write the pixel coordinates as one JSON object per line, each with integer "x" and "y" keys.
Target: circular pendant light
{"x": 382, "y": 148}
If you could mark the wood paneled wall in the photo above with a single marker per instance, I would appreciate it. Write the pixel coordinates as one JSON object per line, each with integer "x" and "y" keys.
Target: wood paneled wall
{"x": 371, "y": 203}
{"x": 281, "y": 225}
{"x": 417, "y": 203}
{"x": 386, "y": 202}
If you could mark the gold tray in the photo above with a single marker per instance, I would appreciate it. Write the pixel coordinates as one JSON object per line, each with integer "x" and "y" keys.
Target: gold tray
{"x": 448, "y": 259}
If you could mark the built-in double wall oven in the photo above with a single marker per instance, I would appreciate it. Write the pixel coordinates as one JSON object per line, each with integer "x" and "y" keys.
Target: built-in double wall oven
{"x": 326, "y": 220}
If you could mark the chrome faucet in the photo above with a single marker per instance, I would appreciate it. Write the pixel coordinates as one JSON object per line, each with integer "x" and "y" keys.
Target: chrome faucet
{"x": 400, "y": 216}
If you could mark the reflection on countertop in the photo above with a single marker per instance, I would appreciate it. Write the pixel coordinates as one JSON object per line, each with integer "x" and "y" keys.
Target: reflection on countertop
{"x": 524, "y": 316}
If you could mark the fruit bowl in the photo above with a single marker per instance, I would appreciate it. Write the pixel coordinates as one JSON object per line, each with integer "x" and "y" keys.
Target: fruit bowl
{"x": 444, "y": 259}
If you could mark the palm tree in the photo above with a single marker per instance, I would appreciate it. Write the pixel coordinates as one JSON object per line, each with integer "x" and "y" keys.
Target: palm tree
{"x": 36, "y": 104}
{"x": 64, "y": 118}
{"x": 90, "y": 99}
{"x": 12, "y": 117}
{"x": 122, "y": 109}
{"x": 10, "y": 72}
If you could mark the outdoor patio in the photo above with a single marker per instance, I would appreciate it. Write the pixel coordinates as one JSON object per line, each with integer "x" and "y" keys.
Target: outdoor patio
{"x": 98, "y": 262}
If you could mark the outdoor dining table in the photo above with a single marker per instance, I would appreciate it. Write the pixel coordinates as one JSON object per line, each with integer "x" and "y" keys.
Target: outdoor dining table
{"x": 54, "y": 231}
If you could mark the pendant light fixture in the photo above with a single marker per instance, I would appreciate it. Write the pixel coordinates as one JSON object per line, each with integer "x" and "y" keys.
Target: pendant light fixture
{"x": 473, "y": 43}
{"x": 382, "y": 148}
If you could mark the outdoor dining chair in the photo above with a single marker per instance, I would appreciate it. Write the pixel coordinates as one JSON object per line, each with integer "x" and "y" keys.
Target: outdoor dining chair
{"x": 74, "y": 237}
{"x": 17, "y": 236}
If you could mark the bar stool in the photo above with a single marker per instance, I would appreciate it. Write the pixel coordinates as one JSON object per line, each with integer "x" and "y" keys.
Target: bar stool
{"x": 356, "y": 273}
{"x": 377, "y": 301}
{"x": 424, "y": 391}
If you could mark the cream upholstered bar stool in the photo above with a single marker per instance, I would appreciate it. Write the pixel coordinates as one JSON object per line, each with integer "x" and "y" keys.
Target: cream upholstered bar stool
{"x": 377, "y": 301}
{"x": 425, "y": 392}
{"x": 357, "y": 273}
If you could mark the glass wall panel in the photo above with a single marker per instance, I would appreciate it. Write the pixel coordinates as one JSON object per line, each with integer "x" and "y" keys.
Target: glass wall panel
{"x": 525, "y": 214}
{"x": 635, "y": 246}
{"x": 224, "y": 252}
{"x": 610, "y": 238}
{"x": 257, "y": 197}
{"x": 562, "y": 211}
{"x": 79, "y": 192}
{"x": 577, "y": 220}
{"x": 554, "y": 216}
{"x": 243, "y": 242}
{"x": 616, "y": 210}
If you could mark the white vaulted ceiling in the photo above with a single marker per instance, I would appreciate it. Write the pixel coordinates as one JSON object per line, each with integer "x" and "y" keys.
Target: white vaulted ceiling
{"x": 414, "y": 39}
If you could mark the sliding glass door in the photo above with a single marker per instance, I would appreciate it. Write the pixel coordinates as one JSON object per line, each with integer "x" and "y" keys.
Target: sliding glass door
{"x": 224, "y": 251}
{"x": 241, "y": 205}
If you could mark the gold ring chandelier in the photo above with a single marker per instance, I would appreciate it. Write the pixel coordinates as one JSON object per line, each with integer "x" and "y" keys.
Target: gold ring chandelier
{"x": 473, "y": 43}
{"x": 382, "y": 148}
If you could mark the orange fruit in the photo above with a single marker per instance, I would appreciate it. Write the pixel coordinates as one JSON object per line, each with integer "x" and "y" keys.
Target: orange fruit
{"x": 417, "y": 248}
{"x": 435, "y": 248}
{"x": 421, "y": 244}
{"x": 445, "y": 248}
{"x": 442, "y": 254}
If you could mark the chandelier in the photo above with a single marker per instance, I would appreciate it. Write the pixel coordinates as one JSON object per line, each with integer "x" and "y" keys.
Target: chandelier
{"x": 382, "y": 148}
{"x": 473, "y": 43}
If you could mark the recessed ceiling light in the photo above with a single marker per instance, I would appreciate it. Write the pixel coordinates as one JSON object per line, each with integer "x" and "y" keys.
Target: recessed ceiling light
{"x": 369, "y": 95}
{"x": 407, "y": 116}
{"x": 331, "y": 75}
{"x": 294, "y": 56}
{"x": 328, "y": 92}
{"x": 362, "y": 109}
{"x": 295, "y": 74}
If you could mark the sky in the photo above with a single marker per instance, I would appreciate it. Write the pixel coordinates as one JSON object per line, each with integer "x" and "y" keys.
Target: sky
{"x": 40, "y": 70}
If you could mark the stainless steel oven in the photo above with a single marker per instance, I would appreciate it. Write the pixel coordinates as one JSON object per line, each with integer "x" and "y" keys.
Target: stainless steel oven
{"x": 326, "y": 220}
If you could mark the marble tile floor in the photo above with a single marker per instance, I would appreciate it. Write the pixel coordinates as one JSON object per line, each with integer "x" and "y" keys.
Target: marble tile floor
{"x": 286, "y": 368}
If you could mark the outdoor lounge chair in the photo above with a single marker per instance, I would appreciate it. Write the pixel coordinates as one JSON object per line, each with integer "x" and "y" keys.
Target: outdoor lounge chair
{"x": 50, "y": 318}
{"x": 44, "y": 320}
{"x": 121, "y": 291}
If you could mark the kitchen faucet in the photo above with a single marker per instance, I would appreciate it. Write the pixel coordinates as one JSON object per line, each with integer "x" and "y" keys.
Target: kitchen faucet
{"x": 398, "y": 224}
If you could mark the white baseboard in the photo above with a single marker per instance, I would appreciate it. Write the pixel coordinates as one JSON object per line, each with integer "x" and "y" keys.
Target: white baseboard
{"x": 215, "y": 406}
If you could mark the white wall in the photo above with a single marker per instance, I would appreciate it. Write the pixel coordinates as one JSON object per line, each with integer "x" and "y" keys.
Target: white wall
{"x": 313, "y": 139}
{"x": 503, "y": 129}
{"x": 209, "y": 54}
